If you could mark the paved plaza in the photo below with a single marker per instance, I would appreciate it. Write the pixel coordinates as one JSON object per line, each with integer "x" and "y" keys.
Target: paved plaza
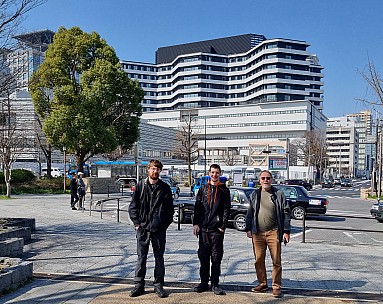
{"x": 80, "y": 258}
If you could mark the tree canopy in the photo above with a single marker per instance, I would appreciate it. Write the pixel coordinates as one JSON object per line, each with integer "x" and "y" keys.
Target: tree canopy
{"x": 86, "y": 101}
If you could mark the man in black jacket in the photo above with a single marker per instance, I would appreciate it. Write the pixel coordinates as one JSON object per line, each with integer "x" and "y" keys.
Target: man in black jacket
{"x": 151, "y": 212}
{"x": 268, "y": 225}
{"x": 211, "y": 215}
{"x": 73, "y": 192}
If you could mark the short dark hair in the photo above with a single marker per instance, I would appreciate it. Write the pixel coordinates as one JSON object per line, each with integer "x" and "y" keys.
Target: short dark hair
{"x": 215, "y": 166}
{"x": 155, "y": 163}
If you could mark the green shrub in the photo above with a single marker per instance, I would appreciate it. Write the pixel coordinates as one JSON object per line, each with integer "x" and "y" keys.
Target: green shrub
{"x": 21, "y": 176}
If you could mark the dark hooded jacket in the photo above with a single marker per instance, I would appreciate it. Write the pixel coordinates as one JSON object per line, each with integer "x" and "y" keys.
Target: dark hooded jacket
{"x": 152, "y": 211}
{"x": 210, "y": 216}
{"x": 282, "y": 210}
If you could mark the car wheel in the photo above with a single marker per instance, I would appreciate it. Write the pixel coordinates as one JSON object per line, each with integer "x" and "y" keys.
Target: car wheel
{"x": 175, "y": 216}
{"x": 298, "y": 212}
{"x": 176, "y": 195}
{"x": 240, "y": 222}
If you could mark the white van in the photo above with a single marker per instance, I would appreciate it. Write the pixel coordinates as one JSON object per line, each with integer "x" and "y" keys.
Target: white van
{"x": 55, "y": 172}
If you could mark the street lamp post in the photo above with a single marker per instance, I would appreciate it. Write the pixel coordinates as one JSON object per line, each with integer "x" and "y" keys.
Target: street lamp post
{"x": 64, "y": 150}
{"x": 204, "y": 151}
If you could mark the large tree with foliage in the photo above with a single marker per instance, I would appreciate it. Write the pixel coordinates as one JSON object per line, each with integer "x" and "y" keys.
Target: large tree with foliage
{"x": 86, "y": 101}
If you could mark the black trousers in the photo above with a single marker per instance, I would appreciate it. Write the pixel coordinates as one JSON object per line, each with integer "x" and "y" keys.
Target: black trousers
{"x": 158, "y": 240}
{"x": 210, "y": 248}
{"x": 73, "y": 199}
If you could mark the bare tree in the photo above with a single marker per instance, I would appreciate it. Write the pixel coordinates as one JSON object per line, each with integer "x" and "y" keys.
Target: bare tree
{"x": 13, "y": 139}
{"x": 374, "y": 85}
{"x": 229, "y": 157}
{"x": 311, "y": 149}
{"x": 187, "y": 140}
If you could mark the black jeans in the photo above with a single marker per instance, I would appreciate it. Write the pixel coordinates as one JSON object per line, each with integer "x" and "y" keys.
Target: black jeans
{"x": 158, "y": 240}
{"x": 210, "y": 248}
{"x": 73, "y": 199}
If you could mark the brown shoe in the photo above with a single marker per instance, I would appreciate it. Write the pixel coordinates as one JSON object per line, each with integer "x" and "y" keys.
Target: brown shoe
{"x": 277, "y": 293}
{"x": 260, "y": 288}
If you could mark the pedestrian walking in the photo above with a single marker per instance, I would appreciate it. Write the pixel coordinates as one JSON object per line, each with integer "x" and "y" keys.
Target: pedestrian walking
{"x": 211, "y": 215}
{"x": 73, "y": 191}
{"x": 268, "y": 225}
{"x": 81, "y": 190}
{"x": 151, "y": 211}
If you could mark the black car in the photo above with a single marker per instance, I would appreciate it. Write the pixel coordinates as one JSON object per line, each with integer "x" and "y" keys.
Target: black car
{"x": 301, "y": 203}
{"x": 377, "y": 211}
{"x": 327, "y": 183}
{"x": 299, "y": 182}
{"x": 345, "y": 182}
{"x": 240, "y": 197}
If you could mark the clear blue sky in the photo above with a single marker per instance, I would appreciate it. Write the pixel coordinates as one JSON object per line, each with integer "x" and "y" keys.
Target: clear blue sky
{"x": 343, "y": 33}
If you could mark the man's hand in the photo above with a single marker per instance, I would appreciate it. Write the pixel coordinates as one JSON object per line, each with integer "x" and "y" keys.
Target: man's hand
{"x": 249, "y": 234}
{"x": 136, "y": 227}
{"x": 286, "y": 238}
{"x": 196, "y": 230}
{"x": 221, "y": 230}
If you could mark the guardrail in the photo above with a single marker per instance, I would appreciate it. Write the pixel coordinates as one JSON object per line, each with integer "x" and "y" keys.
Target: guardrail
{"x": 304, "y": 227}
{"x": 101, "y": 202}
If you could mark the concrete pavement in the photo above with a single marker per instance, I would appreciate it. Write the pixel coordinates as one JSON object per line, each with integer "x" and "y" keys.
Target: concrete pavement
{"x": 81, "y": 258}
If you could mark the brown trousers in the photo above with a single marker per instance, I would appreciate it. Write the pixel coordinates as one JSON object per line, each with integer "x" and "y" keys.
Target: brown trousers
{"x": 262, "y": 241}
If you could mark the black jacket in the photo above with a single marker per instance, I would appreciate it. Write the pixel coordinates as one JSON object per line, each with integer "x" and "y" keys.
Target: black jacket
{"x": 73, "y": 186}
{"x": 153, "y": 212}
{"x": 211, "y": 216}
{"x": 282, "y": 210}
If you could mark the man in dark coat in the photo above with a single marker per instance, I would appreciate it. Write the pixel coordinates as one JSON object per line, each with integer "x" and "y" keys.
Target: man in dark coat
{"x": 151, "y": 212}
{"x": 211, "y": 215}
{"x": 73, "y": 192}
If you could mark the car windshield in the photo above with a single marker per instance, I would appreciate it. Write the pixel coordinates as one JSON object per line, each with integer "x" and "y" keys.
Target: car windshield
{"x": 248, "y": 192}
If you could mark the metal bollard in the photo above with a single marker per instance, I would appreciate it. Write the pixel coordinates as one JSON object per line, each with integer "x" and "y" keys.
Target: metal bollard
{"x": 179, "y": 216}
{"x": 304, "y": 229}
{"x": 118, "y": 210}
{"x": 101, "y": 208}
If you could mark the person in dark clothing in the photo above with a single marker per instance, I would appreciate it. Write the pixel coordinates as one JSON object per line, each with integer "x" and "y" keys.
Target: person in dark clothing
{"x": 73, "y": 192}
{"x": 151, "y": 212}
{"x": 268, "y": 225}
{"x": 211, "y": 215}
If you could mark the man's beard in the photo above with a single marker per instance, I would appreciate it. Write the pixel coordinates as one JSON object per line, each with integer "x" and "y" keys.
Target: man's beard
{"x": 154, "y": 176}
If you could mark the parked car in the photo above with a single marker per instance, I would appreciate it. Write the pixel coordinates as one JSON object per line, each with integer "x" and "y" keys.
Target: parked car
{"x": 301, "y": 202}
{"x": 327, "y": 183}
{"x": 174, "y": 187}
{"x": 336, "y": 181}
{"x": 240, "y": 201}
{"x": 377, "y": 211}
{"x": 346, "y": 182}
{"x": 299, "y": 182}
{"x": 127, "y": 182}
{"x": 55, "y": 172}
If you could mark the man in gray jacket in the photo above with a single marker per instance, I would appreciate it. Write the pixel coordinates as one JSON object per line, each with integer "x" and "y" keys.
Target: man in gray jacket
{"x": 268, "y": 225}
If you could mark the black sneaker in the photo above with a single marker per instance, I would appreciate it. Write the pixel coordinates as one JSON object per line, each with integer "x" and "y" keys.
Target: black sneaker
{"x": 138, "y": 290}
{"x": 159, "y": 290}
{"x": 74, "y": 208}
{"x": 218, "y": 291}
{"x": 201, "y": 288}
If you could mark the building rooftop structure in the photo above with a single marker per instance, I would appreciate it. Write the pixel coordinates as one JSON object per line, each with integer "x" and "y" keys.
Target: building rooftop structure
{"x": 38, "y": 39}
{"x": 221, "y": 46}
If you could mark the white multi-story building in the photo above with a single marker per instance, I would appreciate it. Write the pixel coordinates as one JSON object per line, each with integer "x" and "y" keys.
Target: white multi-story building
{"x": 240, "y": 89}
{"x": 363, "y": 125}
{"x": 231, "y": 71}
{"x": 342, "y": 147}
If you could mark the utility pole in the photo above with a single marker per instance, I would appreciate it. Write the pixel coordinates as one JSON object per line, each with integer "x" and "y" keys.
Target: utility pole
{"x": 374, "y": 179}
